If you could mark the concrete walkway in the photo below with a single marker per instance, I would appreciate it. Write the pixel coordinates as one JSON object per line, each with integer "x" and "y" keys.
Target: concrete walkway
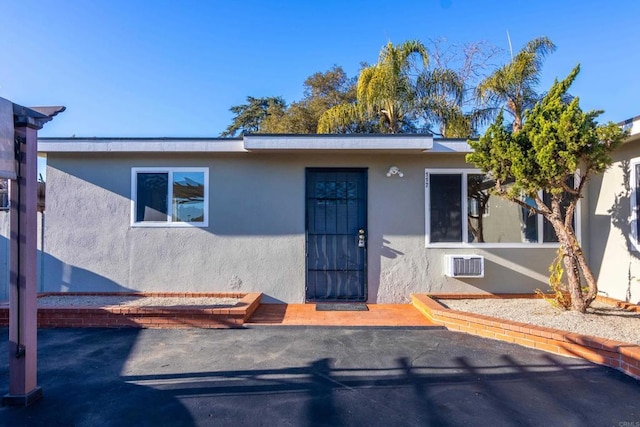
{"x": 313, "y": 376}
{"x": 306, "y": 314}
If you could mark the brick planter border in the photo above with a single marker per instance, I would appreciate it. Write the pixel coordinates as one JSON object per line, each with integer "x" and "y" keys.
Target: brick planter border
{"x": 145, "y": 316}
{"x": 619, "y": 355}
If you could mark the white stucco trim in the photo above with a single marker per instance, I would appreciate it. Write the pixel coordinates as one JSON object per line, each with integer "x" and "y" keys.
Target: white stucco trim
{"x": 338, "y": 142}
{"x": 451, "y": 146}
{"x": 632, "y": 125}
{"x": 143, "y": 145}
{"x": 258, "y": 143}
{"x": 168, "y": 223}
{"x": 456, "y": 245}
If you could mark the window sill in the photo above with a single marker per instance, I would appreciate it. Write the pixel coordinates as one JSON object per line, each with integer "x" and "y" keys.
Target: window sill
{"x": 168, "y": 225}
{"x": 455, "y": 245}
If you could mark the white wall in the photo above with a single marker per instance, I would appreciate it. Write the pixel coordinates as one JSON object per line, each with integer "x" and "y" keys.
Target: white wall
{"x": 612, "y": 254}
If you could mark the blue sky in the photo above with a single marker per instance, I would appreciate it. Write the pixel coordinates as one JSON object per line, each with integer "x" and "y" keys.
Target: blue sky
{"x": 173, "y": 68}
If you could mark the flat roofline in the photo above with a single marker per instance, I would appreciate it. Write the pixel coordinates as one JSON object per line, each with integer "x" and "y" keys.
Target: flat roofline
{"x": 408, "y": 143}
{"x": 240, "y": 138}
{"x": 140, "y": 145}
{"x": 134, "y": 138}
{"x": 340, "y": 135}
{"x": 627, "y": 121}
{"x": 330, "y": 142}
{"x": 633, "y": 126}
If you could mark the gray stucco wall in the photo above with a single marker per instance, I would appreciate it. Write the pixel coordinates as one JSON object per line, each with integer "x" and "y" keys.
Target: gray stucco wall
{"x": 255, "y": 239}
{"x": 5, "y": 228}
{"x": 614, "y": 259}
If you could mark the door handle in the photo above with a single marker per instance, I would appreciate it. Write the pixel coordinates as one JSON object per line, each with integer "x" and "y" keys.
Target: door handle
{"x": 361, "y": 238}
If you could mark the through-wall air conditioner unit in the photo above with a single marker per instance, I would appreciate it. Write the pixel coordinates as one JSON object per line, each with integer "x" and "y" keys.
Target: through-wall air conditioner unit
{"x": 464, "y": 265}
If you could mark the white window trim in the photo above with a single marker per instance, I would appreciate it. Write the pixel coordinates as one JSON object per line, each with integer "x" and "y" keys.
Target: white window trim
{"x": 465, "y": 225}
{"x": 633, "y": 207}
{"x": 168, "y": 222}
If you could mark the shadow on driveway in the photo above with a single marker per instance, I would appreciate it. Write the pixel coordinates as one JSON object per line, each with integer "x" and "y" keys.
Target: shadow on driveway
{"x": 306, "y": 376}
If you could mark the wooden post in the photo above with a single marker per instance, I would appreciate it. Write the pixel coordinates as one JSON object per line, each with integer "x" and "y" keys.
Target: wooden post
{"x": 23, "y": 387}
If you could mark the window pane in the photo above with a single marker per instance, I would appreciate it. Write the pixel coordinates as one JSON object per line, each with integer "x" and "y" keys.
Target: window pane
{"x": 188, "y": 196}
{"x": 152, "y": 191}
{"x": 548, "y": 233}
{"x": 530, "y": 222}
{"x": 493, "y": 219}
{"x": 446, "y": 208}
{"x": 478, "y": 206}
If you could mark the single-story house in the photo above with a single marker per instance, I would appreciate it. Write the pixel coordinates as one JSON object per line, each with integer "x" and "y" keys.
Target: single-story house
{"x": 307, "y": 218}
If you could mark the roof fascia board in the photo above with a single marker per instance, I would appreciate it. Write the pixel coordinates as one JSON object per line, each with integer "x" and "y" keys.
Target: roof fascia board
{"x": 133, "y": 145}
{"x": 451, "y": 146}
{"x": 271, "y": 143}
{"x": 632, "y": 125}
{"x": 337, "y": 142}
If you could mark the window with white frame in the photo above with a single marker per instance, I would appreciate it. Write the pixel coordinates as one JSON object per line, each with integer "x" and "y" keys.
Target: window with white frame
{"x": 460, "y": 210}
{"x": 4, "y": 194}
{"x": 170, "y": 196}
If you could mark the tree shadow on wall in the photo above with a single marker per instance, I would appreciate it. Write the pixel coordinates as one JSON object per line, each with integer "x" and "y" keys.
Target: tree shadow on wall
{"x": 55, "y": 275}
{"x": 620, "y": 219}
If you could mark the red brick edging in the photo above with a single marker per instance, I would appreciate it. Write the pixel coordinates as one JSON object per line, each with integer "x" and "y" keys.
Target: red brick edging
{"x": 619, "y": 355}
{"x": 145, "y": 316}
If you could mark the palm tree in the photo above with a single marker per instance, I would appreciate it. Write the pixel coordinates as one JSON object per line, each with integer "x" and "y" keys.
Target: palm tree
{"x": 445, "y": 104}
{"x": 386, "y": 89}
{"x": 385, "y": 92}
{"x": 346, "y": 118}
{"x": 441, "y": 92}
{"x": 512, "y": 85}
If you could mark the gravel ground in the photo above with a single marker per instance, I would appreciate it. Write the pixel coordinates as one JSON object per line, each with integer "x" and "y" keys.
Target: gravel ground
{"x": 133, "y": 301}
{"x": 601, "y": 320}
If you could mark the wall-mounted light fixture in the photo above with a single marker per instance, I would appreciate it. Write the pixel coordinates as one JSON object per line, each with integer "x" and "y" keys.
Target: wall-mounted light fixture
{"x": 393, "y": 170}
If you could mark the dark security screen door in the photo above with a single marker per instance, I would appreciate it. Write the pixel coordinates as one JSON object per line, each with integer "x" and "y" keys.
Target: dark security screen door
{"x": 336, "y": 224}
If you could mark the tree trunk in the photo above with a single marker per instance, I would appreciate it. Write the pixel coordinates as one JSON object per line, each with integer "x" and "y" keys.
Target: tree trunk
{"x": 517, "y": 125}
{"x": 573, "y": 275}
{"x": 575, "y": 263}
{"x": 592, "y": 283}
{"x": 576, "y": 268}
{"x": 575, "y": 286}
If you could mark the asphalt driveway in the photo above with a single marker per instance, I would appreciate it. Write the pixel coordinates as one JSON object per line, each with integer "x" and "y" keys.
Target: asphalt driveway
{"x": 307, "y": 376}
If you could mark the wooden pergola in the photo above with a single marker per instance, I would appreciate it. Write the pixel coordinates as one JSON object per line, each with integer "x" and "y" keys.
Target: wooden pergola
{"x": 18, "y": 162}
